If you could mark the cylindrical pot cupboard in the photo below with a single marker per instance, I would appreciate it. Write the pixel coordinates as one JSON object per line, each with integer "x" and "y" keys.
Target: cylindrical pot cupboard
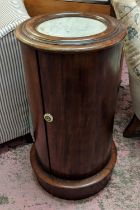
{"x": 72, "y": 67}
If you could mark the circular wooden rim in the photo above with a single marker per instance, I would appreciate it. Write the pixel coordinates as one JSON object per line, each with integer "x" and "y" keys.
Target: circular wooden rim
{"x": 27, "y": 33}
{"x": 73, "y": 189}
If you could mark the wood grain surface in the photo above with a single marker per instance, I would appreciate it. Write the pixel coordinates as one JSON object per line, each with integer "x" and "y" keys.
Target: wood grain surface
{"x": 38, "y": 7}
{"x": 76, "y": 80}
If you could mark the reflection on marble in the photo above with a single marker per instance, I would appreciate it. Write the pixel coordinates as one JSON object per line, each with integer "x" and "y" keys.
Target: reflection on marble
{"x": 71, "y": 27}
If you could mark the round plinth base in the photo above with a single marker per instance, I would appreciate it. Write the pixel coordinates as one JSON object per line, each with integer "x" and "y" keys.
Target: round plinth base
{"x": 73, "y": 189}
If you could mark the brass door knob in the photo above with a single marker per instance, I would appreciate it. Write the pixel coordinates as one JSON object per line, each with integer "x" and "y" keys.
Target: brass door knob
{"x": 48, "y": 117}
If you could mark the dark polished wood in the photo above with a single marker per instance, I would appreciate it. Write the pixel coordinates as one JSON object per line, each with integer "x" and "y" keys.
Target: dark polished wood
{"x": 90, "y": 1}
{"x": 76, "y": 81}
{"x": 35, "y": 101}
{"x": 133, "y": 128}
{"x": 81, "y": 95}
{"x": 111, "y": 36}
{"x": 39, "y": 7}
{"x": 73, "y": 189}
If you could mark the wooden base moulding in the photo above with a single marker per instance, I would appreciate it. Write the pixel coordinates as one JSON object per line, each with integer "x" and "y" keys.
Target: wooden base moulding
{"x": 73, "y": 189}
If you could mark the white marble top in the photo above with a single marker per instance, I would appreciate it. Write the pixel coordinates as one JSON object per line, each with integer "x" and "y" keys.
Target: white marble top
{"x": 71, "y": 27}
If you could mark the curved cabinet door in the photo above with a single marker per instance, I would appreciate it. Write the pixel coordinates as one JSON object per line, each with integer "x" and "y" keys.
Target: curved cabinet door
{"x": 80, "y": 92}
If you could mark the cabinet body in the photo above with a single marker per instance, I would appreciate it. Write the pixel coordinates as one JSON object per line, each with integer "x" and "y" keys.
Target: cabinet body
{"x": 72, "y": 85}
{"x": 80, "y": 92}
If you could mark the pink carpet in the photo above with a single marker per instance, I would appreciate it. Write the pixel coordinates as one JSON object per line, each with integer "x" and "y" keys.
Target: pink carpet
{"x": 19, "y": 189}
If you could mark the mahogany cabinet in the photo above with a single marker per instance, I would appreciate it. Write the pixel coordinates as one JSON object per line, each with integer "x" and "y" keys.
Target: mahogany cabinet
{"x": 72, "y": 65}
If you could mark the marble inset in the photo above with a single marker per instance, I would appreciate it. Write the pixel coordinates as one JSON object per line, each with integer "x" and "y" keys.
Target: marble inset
{"x": 71, "y": 27}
